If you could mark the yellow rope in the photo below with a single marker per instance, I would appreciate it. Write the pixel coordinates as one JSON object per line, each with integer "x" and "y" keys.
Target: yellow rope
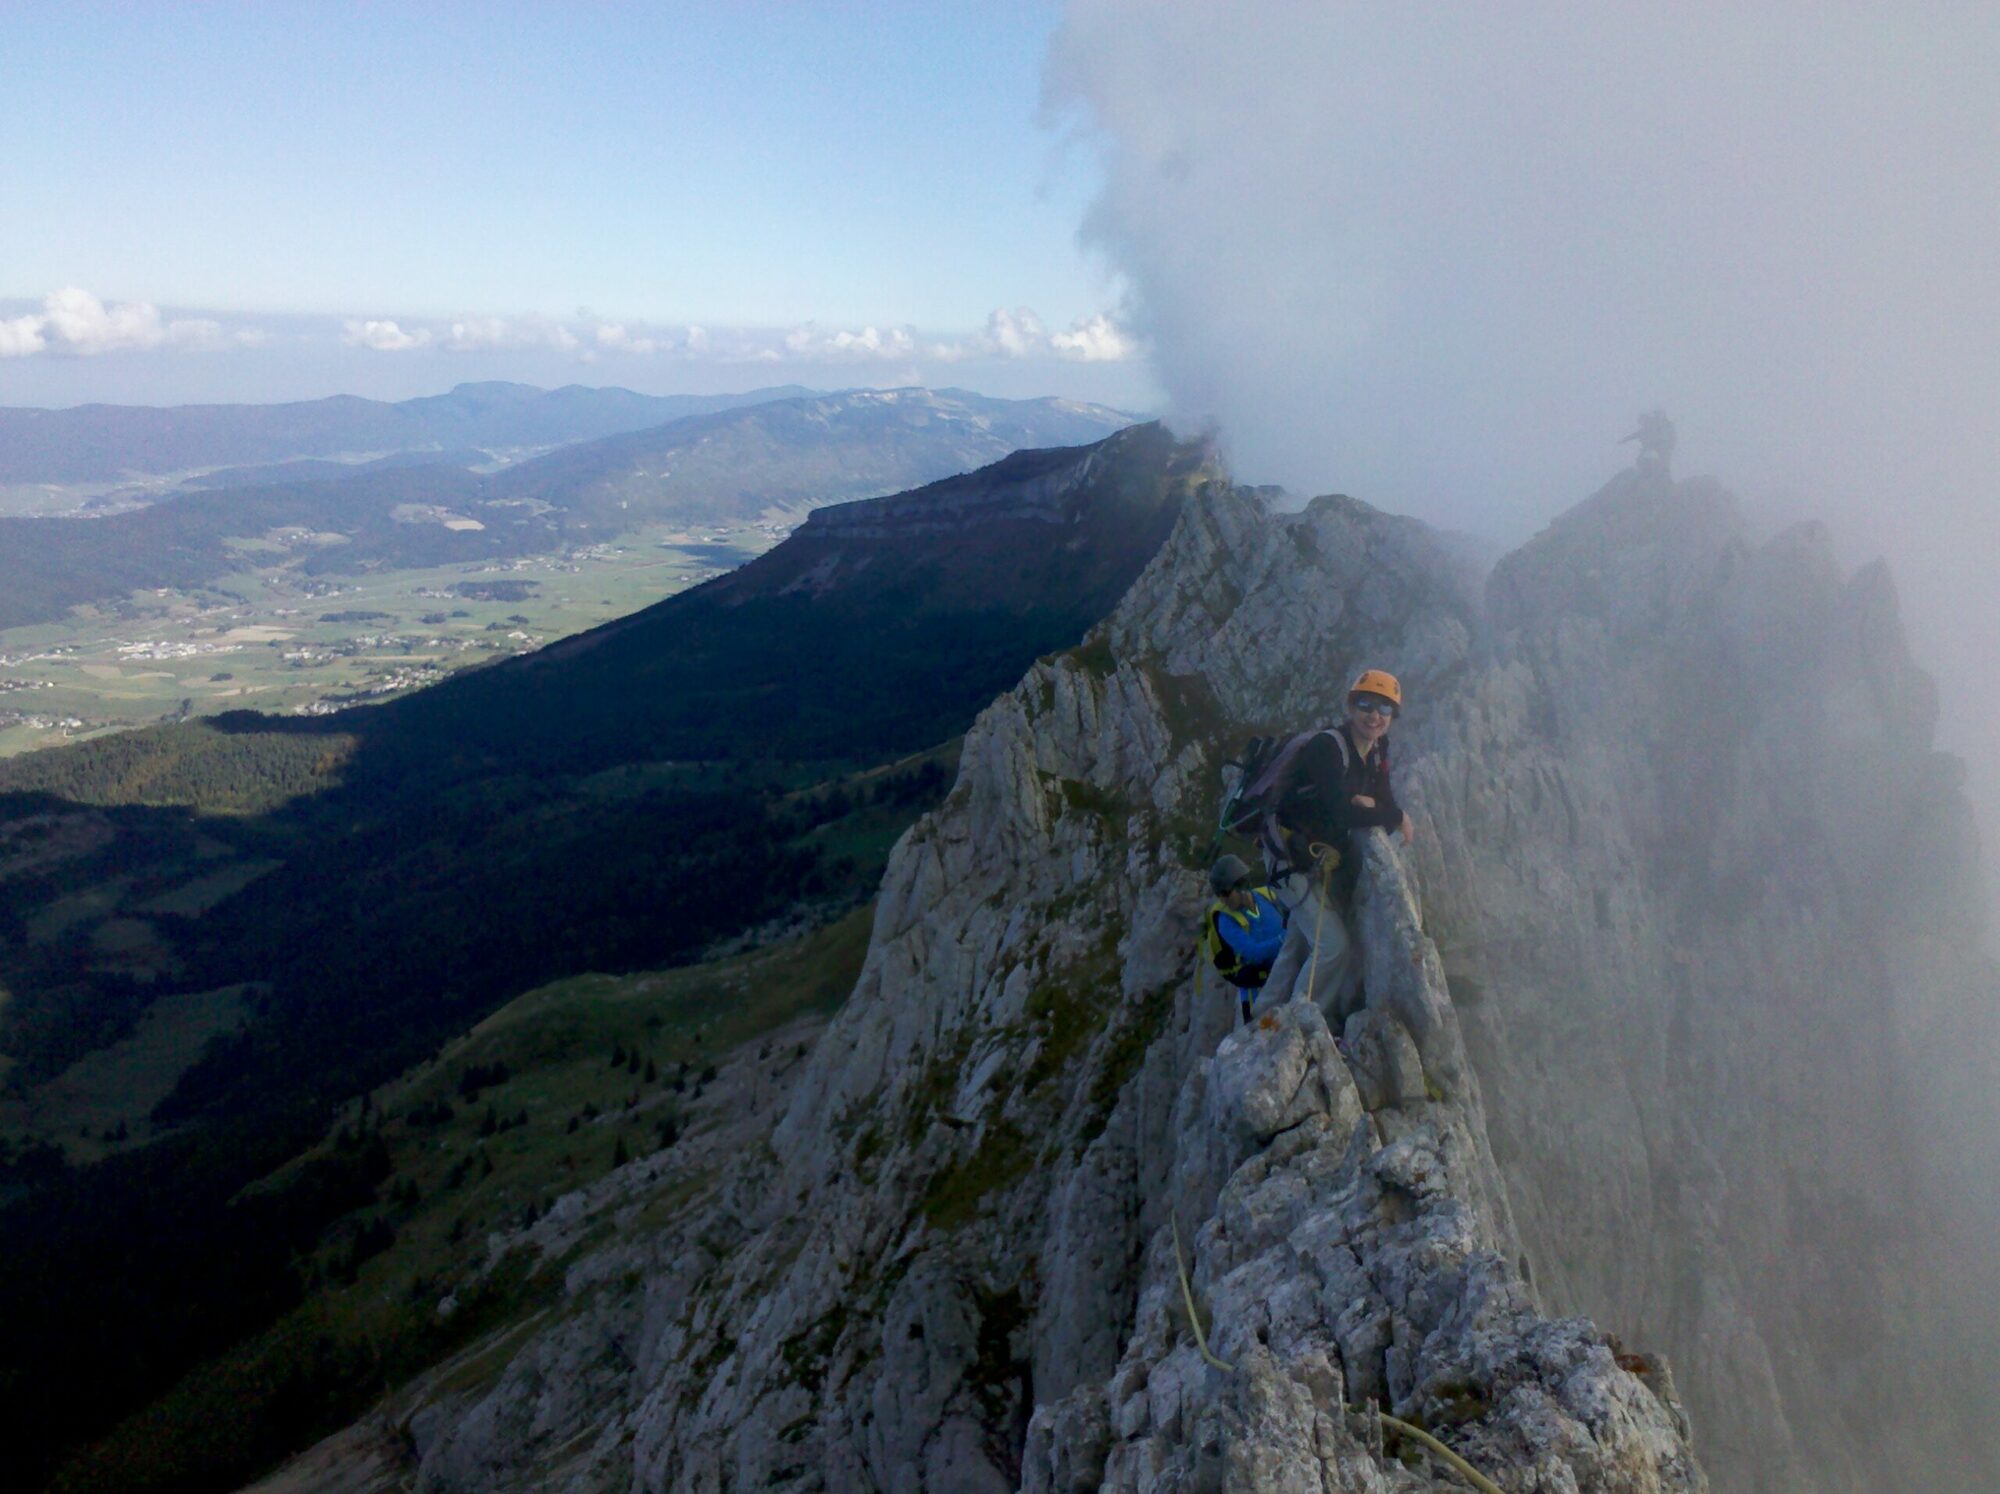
{"x": 1187, "y": 1296}
{"x": 1325, "y": 859}
{"x": 1457, "y": 1464}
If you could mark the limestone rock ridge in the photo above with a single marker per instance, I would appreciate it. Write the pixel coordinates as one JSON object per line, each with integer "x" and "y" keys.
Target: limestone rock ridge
{"x": 1666, "y": 1026}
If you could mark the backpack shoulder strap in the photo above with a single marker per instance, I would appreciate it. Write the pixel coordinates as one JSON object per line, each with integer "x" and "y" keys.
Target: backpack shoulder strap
{"x": 1341, "y": 745}
{"x": 1214, "y": 948}
{"x": 1217, "y": 911}
{"x": 1271, "y": 781}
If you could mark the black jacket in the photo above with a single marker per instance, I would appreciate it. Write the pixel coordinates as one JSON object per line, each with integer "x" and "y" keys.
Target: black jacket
{"x": 1318, "y": 801}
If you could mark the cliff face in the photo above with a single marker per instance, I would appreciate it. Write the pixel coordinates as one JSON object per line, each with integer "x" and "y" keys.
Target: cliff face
{"x": 1711, "y": 900}
{"x": 1661, "y": 1028}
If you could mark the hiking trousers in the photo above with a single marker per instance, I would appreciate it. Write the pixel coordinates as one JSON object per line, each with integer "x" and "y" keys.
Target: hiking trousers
{"x": 1330, "y": 979}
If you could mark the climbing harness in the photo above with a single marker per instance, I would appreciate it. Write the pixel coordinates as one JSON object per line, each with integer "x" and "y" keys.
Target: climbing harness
{"x": 1281, "y": 845}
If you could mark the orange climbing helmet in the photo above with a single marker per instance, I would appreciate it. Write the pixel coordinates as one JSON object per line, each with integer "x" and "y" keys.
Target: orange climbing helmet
{"x": 1377, "y": 682}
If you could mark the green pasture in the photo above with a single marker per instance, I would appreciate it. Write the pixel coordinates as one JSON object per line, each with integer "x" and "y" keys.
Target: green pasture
{"x": 545, "y": 1096}
{"x": 261, "y": 639}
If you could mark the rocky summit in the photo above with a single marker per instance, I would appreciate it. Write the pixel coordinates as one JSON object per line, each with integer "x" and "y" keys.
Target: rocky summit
{"x": 1677, "y": 1048}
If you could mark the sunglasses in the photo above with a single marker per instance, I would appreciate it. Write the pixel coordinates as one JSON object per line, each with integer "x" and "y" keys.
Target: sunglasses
{"x": 1377, "y": 707}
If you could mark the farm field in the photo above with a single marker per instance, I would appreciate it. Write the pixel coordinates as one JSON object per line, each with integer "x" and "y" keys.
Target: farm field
{"x": 44, "y": 500}
{"x": 271, "y": 638}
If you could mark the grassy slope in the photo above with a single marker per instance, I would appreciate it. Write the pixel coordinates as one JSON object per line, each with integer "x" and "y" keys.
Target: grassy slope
{"x": 92, "y": 1046}
{"x": 557, "y": 1122}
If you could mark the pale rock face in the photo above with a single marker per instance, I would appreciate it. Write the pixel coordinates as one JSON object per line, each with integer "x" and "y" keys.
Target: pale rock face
{"x": 1667, "y": 1021}
{"x": 1349, "y": 1262}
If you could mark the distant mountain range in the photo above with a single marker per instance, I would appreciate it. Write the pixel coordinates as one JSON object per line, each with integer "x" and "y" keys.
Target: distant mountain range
{"x": 107, "y": 443}
{"x": 793, "y": 454}
{"x": 782, "y": 455}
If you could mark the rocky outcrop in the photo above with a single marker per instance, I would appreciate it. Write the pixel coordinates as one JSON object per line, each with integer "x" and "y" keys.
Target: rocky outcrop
{"x": 1355, "y": 1260}
{"x": 1665, "y": 1023}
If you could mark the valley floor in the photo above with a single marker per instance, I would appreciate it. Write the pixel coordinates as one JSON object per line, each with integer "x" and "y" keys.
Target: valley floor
{"x": 272, "y": 638}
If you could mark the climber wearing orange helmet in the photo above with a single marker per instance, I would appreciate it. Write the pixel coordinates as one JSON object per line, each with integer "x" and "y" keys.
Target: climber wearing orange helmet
{"x": 1337, "y": 784}
{"x": 1341, "y": 780}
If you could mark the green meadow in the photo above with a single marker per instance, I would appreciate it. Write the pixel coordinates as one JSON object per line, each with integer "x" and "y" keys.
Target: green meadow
{"x": 271, "y": 638}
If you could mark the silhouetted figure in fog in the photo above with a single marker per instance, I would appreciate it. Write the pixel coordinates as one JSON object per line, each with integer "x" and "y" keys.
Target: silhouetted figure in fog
{"x": 1655, "y": 436}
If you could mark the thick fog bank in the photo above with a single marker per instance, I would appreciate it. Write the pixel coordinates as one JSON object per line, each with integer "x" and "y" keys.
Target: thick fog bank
{"x": 1439, "y": 256}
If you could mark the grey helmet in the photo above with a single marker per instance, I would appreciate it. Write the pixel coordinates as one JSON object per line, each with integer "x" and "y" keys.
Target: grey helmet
{"x": 1227, "y": 875}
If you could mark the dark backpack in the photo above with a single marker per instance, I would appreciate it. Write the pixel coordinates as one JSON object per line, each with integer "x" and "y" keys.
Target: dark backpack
{"x": 1260, "y": 790}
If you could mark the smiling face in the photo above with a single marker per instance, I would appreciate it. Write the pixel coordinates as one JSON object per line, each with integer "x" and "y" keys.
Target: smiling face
{"x": 1368, "y": 717}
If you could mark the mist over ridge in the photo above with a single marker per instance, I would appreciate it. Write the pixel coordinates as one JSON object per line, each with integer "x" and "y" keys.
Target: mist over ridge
{"x": 1439, "y": 257}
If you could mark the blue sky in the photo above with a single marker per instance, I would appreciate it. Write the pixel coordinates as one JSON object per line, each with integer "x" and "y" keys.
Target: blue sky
{"x": 282, "y": 184}
{"x": 1436, "y": 255}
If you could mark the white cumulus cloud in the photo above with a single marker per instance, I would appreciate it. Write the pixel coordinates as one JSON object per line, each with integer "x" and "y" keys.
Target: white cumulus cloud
{"x": 812, "y": 344}
{"x": 493, "y": 333}
{"x": 614, "y": 337}
{"x": 1094, "y": 339}
{"x": 75, "y": 323}
{"x": 1020, "y": 333}
{"x": 1016, "y": 334}
{"x": 21, "y": 337}
{"x": 383, "y": 336}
